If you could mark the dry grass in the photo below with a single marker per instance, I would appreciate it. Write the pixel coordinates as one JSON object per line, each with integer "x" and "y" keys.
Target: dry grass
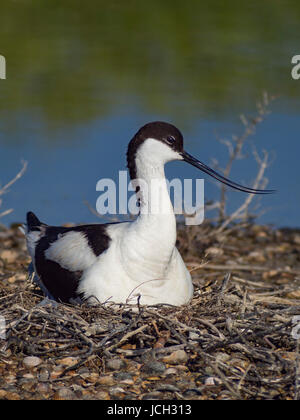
{"x": 233, "y": 341}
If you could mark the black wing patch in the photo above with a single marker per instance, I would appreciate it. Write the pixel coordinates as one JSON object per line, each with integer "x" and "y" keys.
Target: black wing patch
{"x": 62, "y": 283}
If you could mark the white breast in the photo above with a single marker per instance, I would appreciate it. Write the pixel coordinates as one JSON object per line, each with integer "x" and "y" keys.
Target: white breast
{"x": 128, "y": 270}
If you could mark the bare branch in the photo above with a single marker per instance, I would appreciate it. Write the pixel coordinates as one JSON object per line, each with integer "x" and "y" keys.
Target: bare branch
{"x": 257, "y": 183}
{"x": 235, "y": 149}
{"x": 6, "y": 187}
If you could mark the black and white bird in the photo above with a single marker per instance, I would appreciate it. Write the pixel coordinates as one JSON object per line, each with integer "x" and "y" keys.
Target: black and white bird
{"x": 122, "y": 261}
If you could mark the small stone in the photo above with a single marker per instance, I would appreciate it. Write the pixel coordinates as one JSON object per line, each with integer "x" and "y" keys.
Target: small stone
{"x": 9, "y": 255}
{"x": 12, "y": 279}
{"x": 92, "y": 377}
{"x": 84, "y": 373}
{"x": 21, "y": 276}
{"x": 10, "y": 379}
{"x": 168, "y": 388}
{"x": 57, "y": 370}
{"x": 106, "y": 380}
{"x": 2, "y": 393}
{"x": 43, "y": 388}
{"x": 32, "y": 361}
{"x": 12, "y": 396}
{"x": 170, "y": 371}
{"x": 178, "y": 356}
{"x": 67, "y": 361}
{"x": 153, "y": 367}
{"x": 182, "y": 368}
{"x": 294, "y": 294}
{"x": 212, "y": 381}
{"x": 214, "y": 251}
{"x": 222, "y": 357}
{"x": 257, "y": 256}
{"x": 102, "y": 395}
{"x": 28, "y": 376}
{"x": 122, "y": 376}
{"x": 115, "y": 364}
{"x": 116, "y": 392}
{"x": 209, "y": 371}
{"x": 269, "y": 274}
{"x": 193, "y": 335}
{"x": 64, "y": 394}
{"x": 77, "y": 388}
{"x": 43, "y": 375}
{"x": 155, "y": 395}
{"x": 127, "y": 382}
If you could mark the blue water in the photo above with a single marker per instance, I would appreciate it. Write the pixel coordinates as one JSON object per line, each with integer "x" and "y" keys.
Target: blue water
{"x": 62, "y": 174}
{"x": 82, "y": 80}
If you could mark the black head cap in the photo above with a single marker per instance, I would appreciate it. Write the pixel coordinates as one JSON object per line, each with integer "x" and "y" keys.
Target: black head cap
{"x": 158, "y": 130}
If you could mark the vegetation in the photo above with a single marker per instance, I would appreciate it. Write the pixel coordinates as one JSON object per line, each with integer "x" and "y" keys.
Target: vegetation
{"x": 72, "y": 64}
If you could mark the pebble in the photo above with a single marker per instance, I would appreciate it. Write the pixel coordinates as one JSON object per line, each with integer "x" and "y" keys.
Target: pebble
{"x": 168, "y": 387}
{"x": 44, "y": 375}
{"x": 127, "y": 382}
{"x": 122, "y": 376}
{"x": 257, "y": 256}
{"x": 116, "y": 392}
{"x": 214, "y": 251}
{"x": 106, "y": 380}
{"x": 153, "y": 366}
{"x": 155, "y": 395}
{"x": 64, "y": 394}
{"x": 222, "y": 357}
{"x": 12, "y": 279}
{"x": 193, "y": 335}
{"x": 67, "y": 361}
{"x": 102, "y": 395}
{"x": 2, "y": 393}
{"x": 115, "y": 364}
{"x": 92, "y": 377}
{"x": 182, "y": 368}
{"x": 43, "y": 388}
{"x": 9, "y": 255}
{"x": 170, "y": 371}
{"x": 28, "y": 376}
{"x": 32, "y": 361}
{"x": 12, "y": 396}
{"x": 56, "y": 371}
{"x": 212, "y": 381}
{"x": 178, "y": 356}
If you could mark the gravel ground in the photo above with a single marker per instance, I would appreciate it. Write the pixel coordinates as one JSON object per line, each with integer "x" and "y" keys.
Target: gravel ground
{"x": 237, "y": 339}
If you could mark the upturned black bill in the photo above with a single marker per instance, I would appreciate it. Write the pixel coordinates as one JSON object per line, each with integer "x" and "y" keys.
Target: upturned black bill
{"x": 195, "y": 162}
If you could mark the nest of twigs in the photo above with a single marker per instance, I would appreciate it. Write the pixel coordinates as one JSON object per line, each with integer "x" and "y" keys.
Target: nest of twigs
{"x": 237, "y": 339}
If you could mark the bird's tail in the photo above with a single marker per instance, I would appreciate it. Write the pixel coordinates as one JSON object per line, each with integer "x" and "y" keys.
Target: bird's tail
{"x": 33, "y": 223}
{"x": 34, "y": 230}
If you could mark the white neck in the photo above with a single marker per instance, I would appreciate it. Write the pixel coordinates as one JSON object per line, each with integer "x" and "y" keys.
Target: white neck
{"x": 153, "y": 192}
{"x": 153, "y": 233}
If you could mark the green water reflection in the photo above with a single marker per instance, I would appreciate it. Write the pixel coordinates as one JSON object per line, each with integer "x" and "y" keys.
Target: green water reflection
{"x": 74, "y": 61}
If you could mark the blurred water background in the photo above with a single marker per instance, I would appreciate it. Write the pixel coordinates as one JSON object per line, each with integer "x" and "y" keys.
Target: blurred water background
{"x": 82, "y": 77}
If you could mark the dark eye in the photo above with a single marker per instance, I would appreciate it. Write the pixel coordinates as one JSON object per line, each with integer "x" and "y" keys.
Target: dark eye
{"x": 171, "y": 139}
